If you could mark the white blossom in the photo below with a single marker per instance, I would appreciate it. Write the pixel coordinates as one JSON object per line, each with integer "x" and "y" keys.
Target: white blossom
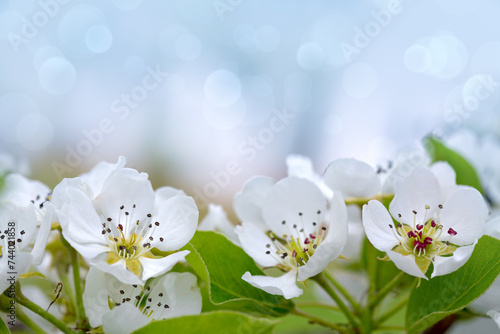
{"x": 436, "y": 221}
{"x": 303, "y": 231}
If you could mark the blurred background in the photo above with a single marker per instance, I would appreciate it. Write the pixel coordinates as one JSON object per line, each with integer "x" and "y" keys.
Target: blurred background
{"x": 204, "y": 94}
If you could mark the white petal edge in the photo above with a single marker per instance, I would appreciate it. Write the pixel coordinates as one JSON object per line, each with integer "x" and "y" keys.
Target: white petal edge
{"x": 248, "y": 203}
{"x": 164, "y": 193}
{"x": 297, "y": 202}
{"x": 446, "y": 177}
{"x": 495, "y": 316}
{"x": 301, "y": 166}
{"x": 43, "y": 235}
{"x": 465, "y": 211}
{"x": 324, "y": 254}
{"x": 413, "y": 193}
{"x": 118, "y": 270}
{"x": 334, "y": 242}
{"x": 447, "y": 265}
{"x": 178, "y": 218}
{"x": 96, "y": 178}
{"x": 354, "y": 178}
{"x": 406, "y": 264}
{"x": 284, "y": 285}
{"x": 156, "y": 267}
{"x": 376, "y": 221}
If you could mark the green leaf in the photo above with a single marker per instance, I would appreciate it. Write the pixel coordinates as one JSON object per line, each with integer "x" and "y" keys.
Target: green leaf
{"x": 220, "y": 322}
{"x": 444, "y": 295}
{"x": 466, "y": 174}
{"x": 220, "y": 264}
{"x": 3, "y": 327}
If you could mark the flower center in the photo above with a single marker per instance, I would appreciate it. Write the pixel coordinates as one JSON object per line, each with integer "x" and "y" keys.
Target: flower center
{"x": 128, "y": 248}
{"x": 423, "y": 241}
{"x": 129, "y": 239}
{"x": 295, "y": 248}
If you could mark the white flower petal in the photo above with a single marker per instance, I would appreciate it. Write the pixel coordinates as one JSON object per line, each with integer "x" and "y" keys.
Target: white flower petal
{"x": 164, "y": 193}
{"x": 178, "y": 220}
{"x": 301, "y": 166}
{"x": 124, "y": 319}
{"x": 117, "y": 270}
{"x": 248, "y": 203}
{"x": 156, "y": 267}
{"x": 82, "y": 227}
{"x": 126, "y": 187}
{"x": 95, "y": 296}
{"x": 413, "y": 193}
{"x": 43, "y": 234}
{"x": 98, "y": 175}
{"x": 353, "y": 178}
{"x": 180, "y": 292}
{"x": 254, "y": 242}
{"x": 216, "y": 220}
{"x": 20, "y": 190}
{"x": 60, "y": 193}
{"x": 24, "y": 218}
{"x": 297, "y": 202}
{"x": 403, "y": 166}
{"x": 334, "y": 242}
{"x": 406, "y": 264}
{"x": 338, "y": 219}
{"x": 446, "y": 177}
{"x": 284, "y": 285}
{"x": 465, "y": 211}
{"x": 376, "y": 221}
{"x": 495, "y": 316}
{"x": 446, "y": 265}
{"x": 356, "y": 233}
{"x": 324, "y": 254}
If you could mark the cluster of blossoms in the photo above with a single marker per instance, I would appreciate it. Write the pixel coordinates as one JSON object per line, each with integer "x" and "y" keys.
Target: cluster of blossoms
{"x": 130, "y": 236}
{"x": 115, "y": 220}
